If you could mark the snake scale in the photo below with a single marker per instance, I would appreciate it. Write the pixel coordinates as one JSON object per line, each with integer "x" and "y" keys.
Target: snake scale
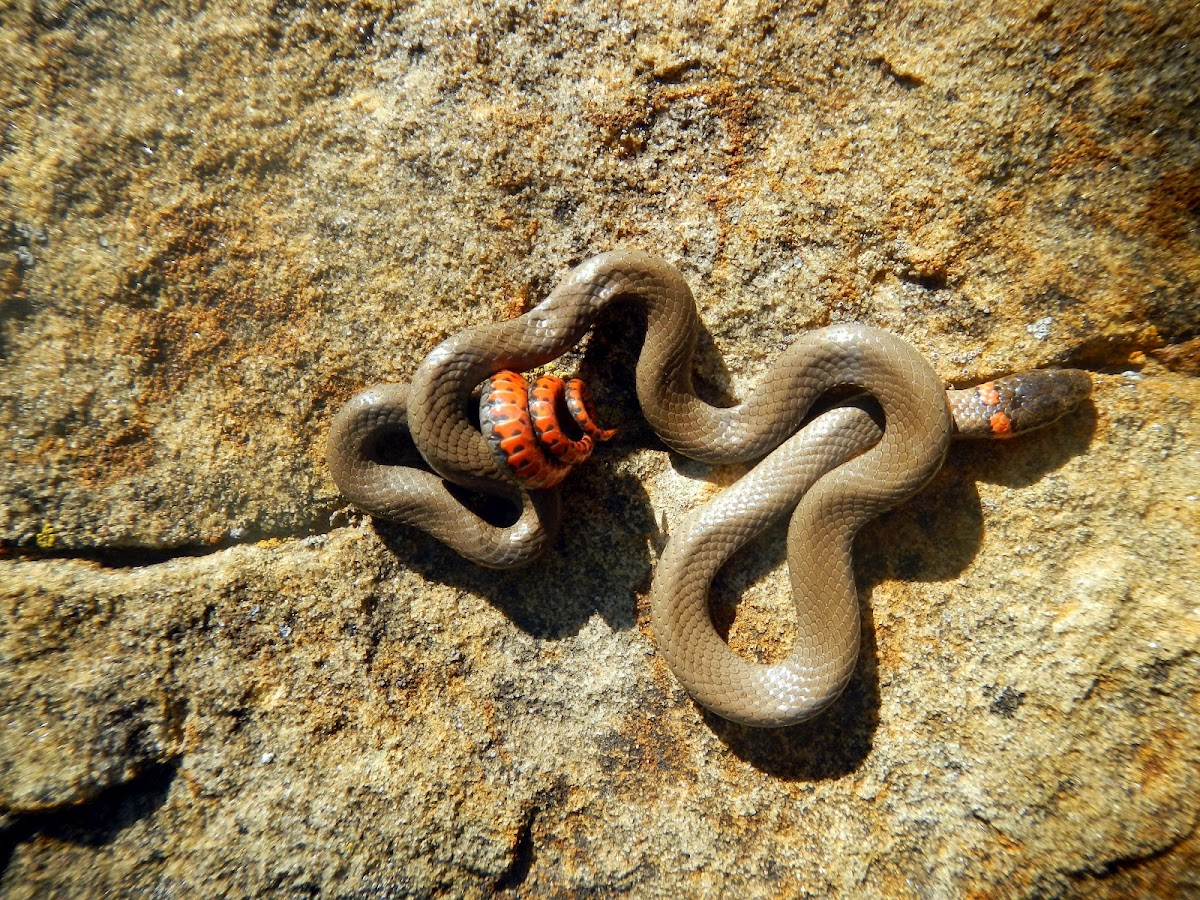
{"x": 845, "y": 467}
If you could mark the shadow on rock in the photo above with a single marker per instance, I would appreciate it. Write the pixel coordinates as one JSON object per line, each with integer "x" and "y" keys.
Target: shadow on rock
{"x": 609, "y": 362}
{"x": 596, "y": 565}
{"x": 832, "y": 745}
{"x": 1024, "y": 460}
{"x": 97, "y": 821}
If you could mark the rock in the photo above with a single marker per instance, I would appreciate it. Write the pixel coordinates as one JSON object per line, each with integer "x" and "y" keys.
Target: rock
{"x": 221, "y": 223}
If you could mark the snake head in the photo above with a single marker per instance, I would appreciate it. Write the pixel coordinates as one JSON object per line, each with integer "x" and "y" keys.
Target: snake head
{"x": 1015, "y": 404}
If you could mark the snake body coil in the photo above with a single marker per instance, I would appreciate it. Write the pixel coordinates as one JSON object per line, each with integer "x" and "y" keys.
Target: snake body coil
{"x": 839, "y": 472}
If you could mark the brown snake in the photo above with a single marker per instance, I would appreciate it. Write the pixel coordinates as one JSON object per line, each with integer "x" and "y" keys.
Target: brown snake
{"x": 841, "y": 470}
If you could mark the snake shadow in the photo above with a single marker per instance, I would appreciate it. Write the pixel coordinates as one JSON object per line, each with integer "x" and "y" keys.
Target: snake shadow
{"x": 597, "y": 565}
{"x": 934, "y": 537}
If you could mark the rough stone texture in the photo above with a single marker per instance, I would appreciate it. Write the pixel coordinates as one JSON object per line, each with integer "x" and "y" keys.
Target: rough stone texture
{"x": 220, "y": 220}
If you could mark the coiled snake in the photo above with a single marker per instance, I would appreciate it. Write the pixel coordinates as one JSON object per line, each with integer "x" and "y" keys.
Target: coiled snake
{"x": 838, "y": 472}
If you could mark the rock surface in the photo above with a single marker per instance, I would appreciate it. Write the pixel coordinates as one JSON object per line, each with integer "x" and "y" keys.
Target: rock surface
{"x": 218, "y": 223}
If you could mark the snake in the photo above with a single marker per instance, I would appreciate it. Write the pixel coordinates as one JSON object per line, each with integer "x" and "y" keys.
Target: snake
{"x": 408, "y": 452}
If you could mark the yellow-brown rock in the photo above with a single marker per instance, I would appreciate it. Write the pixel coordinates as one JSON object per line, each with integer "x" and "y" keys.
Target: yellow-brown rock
{"x": 217, "y": 221}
